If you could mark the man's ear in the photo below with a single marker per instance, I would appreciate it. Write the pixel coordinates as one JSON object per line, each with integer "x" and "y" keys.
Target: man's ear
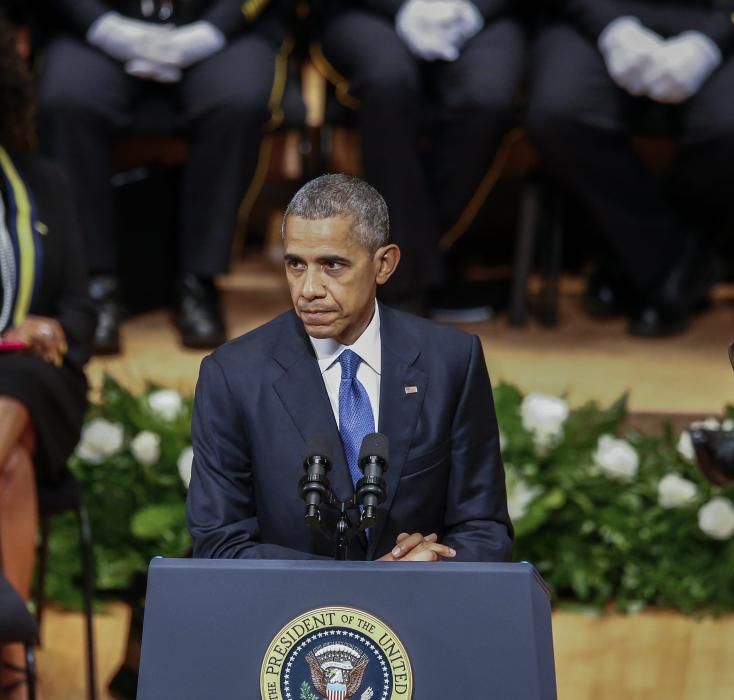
{"x": 386, "y": 260}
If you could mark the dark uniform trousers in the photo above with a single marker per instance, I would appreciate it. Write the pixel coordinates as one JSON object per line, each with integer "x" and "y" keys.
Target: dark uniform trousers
{"x": 582, "y": 122}
{"x": 86, "y": 98}
{"x": 470, "y": 101}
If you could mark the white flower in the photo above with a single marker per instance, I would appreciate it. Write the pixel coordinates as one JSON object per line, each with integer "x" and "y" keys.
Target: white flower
{"x": 676, "y": 492}
{"x": 685, "y": 446}
{"x": 100, "y": 439}
{"x": 519, "y": 494}
{"x": 165, "y": 403}
{"x": 616, "y": 458}
{"x": 543, "y": 417}
{"x": 184, "y": 463}
{"x": 728, "y": 425}
{"x": 716, "y": 518}
{"x": 146, "y": 447}
{"x": 503, "y": 441}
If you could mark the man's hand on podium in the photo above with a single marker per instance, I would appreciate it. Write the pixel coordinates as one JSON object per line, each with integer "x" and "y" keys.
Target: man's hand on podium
{"x": 417, "y": 547}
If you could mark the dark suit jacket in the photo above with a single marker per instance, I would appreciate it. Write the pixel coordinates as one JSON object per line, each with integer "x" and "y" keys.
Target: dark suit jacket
{"x": 260, "y": 396}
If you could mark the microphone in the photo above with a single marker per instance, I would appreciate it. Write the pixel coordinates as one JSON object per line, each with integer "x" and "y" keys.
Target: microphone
{"x": 371, "y": 488}
{"x": 314, "y": 485}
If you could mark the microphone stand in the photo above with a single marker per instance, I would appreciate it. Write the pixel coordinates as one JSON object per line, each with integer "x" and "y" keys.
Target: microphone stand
{"x": 369, "y": 492}
{"x": 345, "y": 531}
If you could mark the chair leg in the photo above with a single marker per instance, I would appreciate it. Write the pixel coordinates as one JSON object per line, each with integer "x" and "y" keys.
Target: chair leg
{"x": 548, "y": 308}
{"x": 309, "y": 150}
{"x": 326, "y": 140}
{"x": 85, "y": 539}
{"x": 40, "y": 592}
{"x": 524, "y": 252}
{"x": 30, "y": 662}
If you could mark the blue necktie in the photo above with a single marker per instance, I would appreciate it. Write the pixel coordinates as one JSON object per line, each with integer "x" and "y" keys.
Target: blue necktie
{"x": 355, "y": 412}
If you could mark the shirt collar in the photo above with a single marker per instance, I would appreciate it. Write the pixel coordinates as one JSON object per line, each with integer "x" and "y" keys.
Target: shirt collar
{"x": 367, "y": 346}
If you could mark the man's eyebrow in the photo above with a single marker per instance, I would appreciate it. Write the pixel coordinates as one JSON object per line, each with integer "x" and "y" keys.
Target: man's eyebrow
{"x": 334, "y": 259}
{"x": 290, "y": 257}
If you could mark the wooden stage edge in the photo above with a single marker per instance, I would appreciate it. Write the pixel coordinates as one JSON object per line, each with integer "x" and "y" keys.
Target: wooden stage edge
{"x": 653, "y": 655}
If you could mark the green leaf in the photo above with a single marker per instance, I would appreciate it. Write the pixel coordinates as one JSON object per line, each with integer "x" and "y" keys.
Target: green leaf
{"x": 539, "y": 512}
{"x": 158, "y": 521}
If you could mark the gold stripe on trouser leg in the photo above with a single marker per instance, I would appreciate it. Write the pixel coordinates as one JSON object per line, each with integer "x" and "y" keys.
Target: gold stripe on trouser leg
{"x": 252, "y": 9}
{"x": 340, "y": 83}
{"x": 275, "y": 107}
{"x": 483, "y": 191}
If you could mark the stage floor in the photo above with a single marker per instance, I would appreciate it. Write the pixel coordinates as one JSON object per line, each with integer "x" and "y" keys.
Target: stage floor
{"x": 581, "y": 358}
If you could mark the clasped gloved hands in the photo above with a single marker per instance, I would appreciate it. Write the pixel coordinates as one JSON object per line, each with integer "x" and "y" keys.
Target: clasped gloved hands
{"x": 436, "y": 30}
{"x": 153, "y": 51}
{"x": 665, "y": 70}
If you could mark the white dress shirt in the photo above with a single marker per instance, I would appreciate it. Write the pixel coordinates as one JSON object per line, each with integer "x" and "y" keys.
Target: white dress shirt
{"x": 369, "y": 347}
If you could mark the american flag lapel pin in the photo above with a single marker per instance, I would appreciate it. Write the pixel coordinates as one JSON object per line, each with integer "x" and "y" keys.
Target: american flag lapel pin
{"x": 411, "y": 389}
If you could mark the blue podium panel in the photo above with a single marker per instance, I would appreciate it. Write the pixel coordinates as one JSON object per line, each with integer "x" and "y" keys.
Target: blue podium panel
{"x": 279, "y": 630}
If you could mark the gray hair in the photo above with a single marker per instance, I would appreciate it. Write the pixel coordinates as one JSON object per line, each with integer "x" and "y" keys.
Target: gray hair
{"x": 334, "y": 195}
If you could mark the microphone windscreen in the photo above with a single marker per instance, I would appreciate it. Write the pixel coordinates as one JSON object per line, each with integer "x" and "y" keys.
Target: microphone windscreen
{"x": 318, "y": 445}
{"x": 375, "y": 445}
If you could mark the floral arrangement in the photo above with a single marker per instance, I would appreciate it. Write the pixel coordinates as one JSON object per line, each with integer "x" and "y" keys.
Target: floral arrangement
{"x": 134, "y": 464}
{"x": 607, "y": 515}
{"x": 605, "y": 518}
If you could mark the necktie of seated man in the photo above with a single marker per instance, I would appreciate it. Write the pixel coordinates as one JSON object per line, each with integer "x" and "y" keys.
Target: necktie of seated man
{"x": 355, "y": 412}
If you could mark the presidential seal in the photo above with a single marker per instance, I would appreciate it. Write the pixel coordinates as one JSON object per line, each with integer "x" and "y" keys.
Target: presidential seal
{"x": 336, "y": 653}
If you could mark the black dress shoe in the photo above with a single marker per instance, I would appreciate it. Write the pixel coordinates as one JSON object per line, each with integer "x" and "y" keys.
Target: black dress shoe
{"x": 104, "y": 291}
{"x": 659, "y": 321}
{"x": 685, "y": 288}
{"x": 199, "y": 317}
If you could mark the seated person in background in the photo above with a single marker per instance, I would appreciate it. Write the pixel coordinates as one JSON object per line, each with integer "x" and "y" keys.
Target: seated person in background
{"x": 599, "y": 66}
{"x": 46, "y": 330}
{"x": 342, "y": 365}
{"x": 454, "y": 64}
{"x": 218, "y": 61}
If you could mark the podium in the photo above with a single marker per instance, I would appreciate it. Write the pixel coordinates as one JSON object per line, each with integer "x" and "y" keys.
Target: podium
{"x": 307, "y": 630}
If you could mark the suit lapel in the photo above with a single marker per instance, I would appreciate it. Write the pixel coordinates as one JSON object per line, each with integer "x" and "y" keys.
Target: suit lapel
{"x": 399, "y": 410}
{"x": 303, "y": 394}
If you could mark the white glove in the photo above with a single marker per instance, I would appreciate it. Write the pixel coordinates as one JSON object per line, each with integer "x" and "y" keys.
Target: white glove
{"x": 469, "y": 21}
{"x": 681, "y": 67}
{"x": 437, "y": 29}
{"x": 123, "y": 38}
{"x": 148, "y": 70}
{"x": 183, "y": 46}
{"x": 629, "y": 52}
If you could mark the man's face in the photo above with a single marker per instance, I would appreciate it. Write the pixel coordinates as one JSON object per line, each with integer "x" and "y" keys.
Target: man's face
{"x": 332, "y": 278}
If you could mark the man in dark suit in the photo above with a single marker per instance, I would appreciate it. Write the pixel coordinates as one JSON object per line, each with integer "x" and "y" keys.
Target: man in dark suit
{"x": 605, "y": 70}
{"x": 216, "y": 62}
{"x": 341, "y": 364}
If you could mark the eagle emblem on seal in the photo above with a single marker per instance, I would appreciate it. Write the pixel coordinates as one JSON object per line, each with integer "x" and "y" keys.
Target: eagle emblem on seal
{"x": 337, "y": 670}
